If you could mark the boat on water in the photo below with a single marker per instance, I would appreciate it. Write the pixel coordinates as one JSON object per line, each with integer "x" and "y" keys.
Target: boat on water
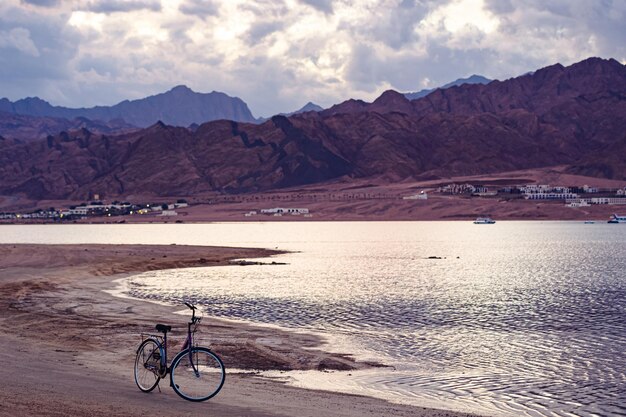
{"x": 484, "y": 220}
{"x": 589, "y": 222}
{"x": 617, "y": 219}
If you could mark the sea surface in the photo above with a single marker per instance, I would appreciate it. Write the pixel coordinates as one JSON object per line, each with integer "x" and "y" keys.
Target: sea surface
{"x": 516, "y": 318}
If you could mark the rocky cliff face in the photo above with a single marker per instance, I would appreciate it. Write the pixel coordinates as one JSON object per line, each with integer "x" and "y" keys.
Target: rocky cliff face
{"x": 539, "y": 93}
{"x": 165, "y": 160}
{"x": 32, "y": 127}
{"x": 574, "y": 116}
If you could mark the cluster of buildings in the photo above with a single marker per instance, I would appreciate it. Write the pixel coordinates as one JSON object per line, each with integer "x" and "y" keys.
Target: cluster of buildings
{"x": 571, "y": 195}
{"x": 37, "y": 215}
{"x": 98, "y": 209}
{"x": 546, "y": 192}
{"x": 280, "y": 211}
{"x": 585, "y": 202}
{"x": 574, "y": 196}
{"x": 459, "y": 188}
{"x": 475, "y": 190}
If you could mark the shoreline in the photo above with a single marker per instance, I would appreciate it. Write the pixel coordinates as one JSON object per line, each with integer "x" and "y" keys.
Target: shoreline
{"x": 54, "y": 299}
{"x": 131, "y": 222}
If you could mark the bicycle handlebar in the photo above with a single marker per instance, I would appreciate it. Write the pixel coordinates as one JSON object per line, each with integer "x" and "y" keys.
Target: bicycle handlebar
{"x": 194, "y": 319}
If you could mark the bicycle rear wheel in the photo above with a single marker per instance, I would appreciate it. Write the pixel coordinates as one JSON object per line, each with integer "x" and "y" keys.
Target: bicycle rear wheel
{"x": 147, "y": 363}
{"x": 197, "y": 374}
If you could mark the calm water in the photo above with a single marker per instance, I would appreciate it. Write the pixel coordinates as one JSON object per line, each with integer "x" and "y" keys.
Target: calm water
{"x": 516, "y": 318}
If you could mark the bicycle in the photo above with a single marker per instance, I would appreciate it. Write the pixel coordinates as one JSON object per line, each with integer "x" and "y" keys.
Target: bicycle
{"x": 196, "y": 373}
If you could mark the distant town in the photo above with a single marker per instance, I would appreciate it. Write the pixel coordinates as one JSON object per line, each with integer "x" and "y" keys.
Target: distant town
{"x": 574, "y": 197}
{"x": 98, "y": 209}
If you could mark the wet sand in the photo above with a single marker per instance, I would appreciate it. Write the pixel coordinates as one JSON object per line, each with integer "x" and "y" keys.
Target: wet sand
{"x": 67, "y": 345}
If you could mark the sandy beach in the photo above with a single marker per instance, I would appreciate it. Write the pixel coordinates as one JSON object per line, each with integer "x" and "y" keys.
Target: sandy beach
{"x": 67, "y": 345}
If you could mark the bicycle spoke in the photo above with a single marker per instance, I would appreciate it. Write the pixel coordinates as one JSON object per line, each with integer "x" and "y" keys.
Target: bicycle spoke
{"x": 199, "y": 376}
{"x": 147, "y": 365}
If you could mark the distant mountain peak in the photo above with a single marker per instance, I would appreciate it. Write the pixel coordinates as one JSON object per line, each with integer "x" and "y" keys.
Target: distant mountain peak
{"x": 181, "y": 89}
{"x": 349, "y": 106}
{"x": 390, "y": 96}
{"x": 472, "y": 79}
{"x": 391, "y": 101}
{"x": 34, "y": 99}
{"x": 310, "y": 106}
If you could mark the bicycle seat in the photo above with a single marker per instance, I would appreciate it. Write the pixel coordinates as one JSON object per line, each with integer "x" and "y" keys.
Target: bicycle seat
{"x": 163, "y": 328}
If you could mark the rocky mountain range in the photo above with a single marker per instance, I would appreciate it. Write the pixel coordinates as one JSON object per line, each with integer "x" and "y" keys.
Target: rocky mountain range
{"x": 179, "y": 106}
{"x": 37, "y": 127}
{"x": 567, "y": 116}
{"x": 32, "y": 117}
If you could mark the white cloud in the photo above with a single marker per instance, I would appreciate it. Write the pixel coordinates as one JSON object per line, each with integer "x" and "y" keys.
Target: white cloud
{"x": 87, "y": 20}
{"x": 18, "y": 38}
{"x": 325, "y": 6}
{"x": 462, "y": 15}
{"x": 42, "y": 3}
{"x": 114, "y": 6}
{"x": 278, "y": 54}
{"x": 199, "y": 8}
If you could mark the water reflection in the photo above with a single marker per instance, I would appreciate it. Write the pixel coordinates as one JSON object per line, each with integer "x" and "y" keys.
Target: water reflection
{"x": 518, "y": 318}
{"x": 526, "y": 321}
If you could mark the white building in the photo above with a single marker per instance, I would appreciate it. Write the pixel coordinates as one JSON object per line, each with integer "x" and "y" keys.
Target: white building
{"x": 78, "y": 211}
{"x": 608, "y": 200}
{"x": 578, "y": 203}
{"x": 485, "y": 193}
{"x": 281, "y": 210}
{"x": 550, "y": 196}
{"x": 589, "y": 189}
{"x": 535, "y": 189}
{"x": 421, "y": 196}
{"x": 546, "y": 192}
{"x": 559, "y": 189}
{"x": 582, "y": 202}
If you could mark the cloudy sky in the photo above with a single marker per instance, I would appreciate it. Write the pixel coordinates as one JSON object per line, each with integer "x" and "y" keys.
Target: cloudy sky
{"x": 278, "y": 54}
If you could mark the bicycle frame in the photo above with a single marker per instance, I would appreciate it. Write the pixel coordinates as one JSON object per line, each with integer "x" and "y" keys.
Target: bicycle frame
{"x": 189, "y": 341}
{"x": 164, "y": 369}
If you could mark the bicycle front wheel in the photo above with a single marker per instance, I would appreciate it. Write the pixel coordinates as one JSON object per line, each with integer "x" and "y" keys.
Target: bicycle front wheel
{"x": 197, "y": 374}
{"x": 147, "y": 363}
